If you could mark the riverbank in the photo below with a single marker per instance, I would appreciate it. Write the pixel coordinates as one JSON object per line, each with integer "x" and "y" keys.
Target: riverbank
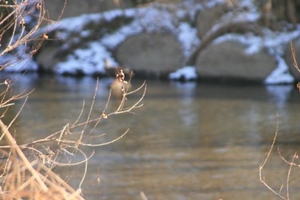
{"x": 166, "y": 41}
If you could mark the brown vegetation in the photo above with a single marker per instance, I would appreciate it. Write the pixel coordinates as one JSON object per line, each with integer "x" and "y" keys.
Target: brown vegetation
{"x": 19, "y": 21}
{"x": 32, "y": 177}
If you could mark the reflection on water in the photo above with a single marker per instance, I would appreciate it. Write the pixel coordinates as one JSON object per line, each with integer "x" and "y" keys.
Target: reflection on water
{"x": 280, "y": 94}
{"x": 187, "y": 91}
{"x": 188, "y": 141}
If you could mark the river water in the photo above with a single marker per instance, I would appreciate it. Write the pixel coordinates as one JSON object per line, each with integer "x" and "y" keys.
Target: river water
{"x": 188, "y": 141}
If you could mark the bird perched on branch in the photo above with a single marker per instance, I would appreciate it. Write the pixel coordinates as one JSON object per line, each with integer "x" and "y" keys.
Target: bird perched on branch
{"x": 119, "y": 87}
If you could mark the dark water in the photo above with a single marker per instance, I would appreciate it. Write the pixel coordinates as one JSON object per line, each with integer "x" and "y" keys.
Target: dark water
{"x": 188, "y": 141}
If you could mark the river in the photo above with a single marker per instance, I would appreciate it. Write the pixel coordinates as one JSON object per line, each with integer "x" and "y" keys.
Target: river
{"x": 187, "y": 141}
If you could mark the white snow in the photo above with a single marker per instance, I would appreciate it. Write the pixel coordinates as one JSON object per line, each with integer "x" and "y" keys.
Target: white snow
{"x": 249, "y": 15}
{"x": 150, "y": 19}
{"x": 155, "y": 18}
{"x": 20, "y": 65}
{"x": 109, "y": 16}
{"x": 280, "y": 74}
{"x": 19, "y": 62}
{"x": 188, "y": 38}
{"x": 113, "y": 40}
{"x": 187, "y": 73}
{"x": 88, "y": 61}
{"x": 71, "y": 24}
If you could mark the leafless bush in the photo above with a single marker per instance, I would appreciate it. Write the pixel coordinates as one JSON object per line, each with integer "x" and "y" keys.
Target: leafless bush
{"x": 32, "y": 177}
{"x": 19, "y": 21}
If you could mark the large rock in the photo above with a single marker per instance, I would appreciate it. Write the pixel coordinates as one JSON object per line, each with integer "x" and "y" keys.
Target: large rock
{"x": 47, "y": 58}
{"x": 228, "y": 60}
{"x": 150, "y": 53}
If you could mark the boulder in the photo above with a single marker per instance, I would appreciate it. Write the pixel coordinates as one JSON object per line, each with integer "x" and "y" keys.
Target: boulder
{"x": 150, "y": 53}
{"x": 228, "y": 60}
{"x": 47, "y": 58}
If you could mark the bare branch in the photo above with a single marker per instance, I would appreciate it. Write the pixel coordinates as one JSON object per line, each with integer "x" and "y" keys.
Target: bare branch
{"x": 262, "y": 165}
{"x": 294, "y": 56}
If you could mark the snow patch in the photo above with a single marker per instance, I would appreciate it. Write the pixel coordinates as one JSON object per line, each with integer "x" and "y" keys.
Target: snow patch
{"x": 149, "y": 19}
{"x": 187, "y": 36}
{"x": 186, "y": 73}
{"x": 87, "y": 61}
{"x": 280, "y": 74}
{"x": 18, "y": 62}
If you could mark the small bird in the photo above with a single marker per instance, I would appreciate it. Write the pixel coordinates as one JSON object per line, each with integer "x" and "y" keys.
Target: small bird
{"x": 119, "y": 86}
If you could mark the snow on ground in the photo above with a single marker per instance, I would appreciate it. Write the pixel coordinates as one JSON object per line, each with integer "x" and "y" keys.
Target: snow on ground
{"x": 280, "y": 74}
{"x": 147, "y": 19}
{"x": 187, "y": 36}
{"x": 19, "y": 62}
{"x": 187, "y": 73}
{"x": 88, "y": 57}
{"x": 153, "y": 19}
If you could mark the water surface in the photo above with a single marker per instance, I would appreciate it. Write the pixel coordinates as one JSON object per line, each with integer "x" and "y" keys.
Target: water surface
{"x": 188, "y": 141}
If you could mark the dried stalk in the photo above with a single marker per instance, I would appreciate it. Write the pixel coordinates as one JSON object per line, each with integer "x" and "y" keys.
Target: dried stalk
{"x": 61, "y": 137}
{"x": 23, "y": 178}
{"x": 294, "y": 56}
{"x": 262, "y": 165}
{"x": 32, "y": 177}
{"x": 18, "y": 35}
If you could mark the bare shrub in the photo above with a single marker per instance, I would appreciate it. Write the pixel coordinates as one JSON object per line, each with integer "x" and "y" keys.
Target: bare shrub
{"x": 32, "y": 177}
{"x": 19, "y": 24}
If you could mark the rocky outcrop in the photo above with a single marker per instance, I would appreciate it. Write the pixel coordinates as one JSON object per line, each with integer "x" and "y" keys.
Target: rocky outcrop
{"x": 228, "y": 60}
{"x": 150, "y": 54}
{"x": 151, "y": 41}
{"x": 47, "y": 57}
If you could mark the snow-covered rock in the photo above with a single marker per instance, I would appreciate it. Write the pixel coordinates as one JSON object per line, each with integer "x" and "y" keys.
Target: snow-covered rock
{"x": 187, "y": 73}
{"x": 81, "y": 44}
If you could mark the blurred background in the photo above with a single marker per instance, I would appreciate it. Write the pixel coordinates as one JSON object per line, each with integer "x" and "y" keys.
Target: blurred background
{"x": 218, "y": 73}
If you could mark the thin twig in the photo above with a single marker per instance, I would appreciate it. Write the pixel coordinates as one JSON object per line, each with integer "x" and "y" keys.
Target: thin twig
{"x": 294, "y": 56}
{"x": 262, "y": 165}
{"x": 286, "y": 161}
{"x": 288, "y": 178}
{"x": 106, "y": 143}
